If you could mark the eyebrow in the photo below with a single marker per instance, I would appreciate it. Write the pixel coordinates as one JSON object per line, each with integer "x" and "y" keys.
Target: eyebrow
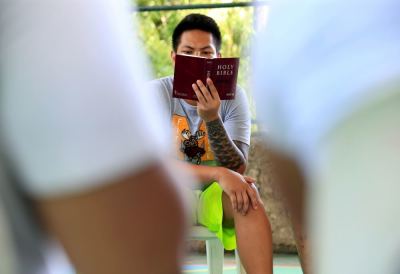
{"x": 203, "y": 48}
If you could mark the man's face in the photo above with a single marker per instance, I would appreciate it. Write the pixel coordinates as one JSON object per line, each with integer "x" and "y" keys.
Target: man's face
{"x": 196, "y": 43}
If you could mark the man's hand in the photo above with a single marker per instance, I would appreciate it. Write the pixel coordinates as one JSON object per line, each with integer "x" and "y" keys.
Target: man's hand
{"x": 239, "y": 189}
{"x": 252, "y": 182}
{"x": 209, "y": 101}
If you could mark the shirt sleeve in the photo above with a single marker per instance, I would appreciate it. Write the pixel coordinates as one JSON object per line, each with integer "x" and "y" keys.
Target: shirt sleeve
{"x": 160, "y": 91}
{"x": 75, "y": 111}
{"x": 236, "y": 117}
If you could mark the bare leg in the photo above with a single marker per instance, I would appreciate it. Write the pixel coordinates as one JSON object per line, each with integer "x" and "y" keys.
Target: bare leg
{"x": 253, "y": 236}
{"x": 290, "y": 182}
{"x": 133, "y": 225}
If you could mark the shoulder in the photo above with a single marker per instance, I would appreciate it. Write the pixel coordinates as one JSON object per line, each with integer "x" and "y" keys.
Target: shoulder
{"x": 236, "y": 109}
{"x": 162, "y": 84}
{"x": 240, "y": 94}
{"x": 162, "y": 87}
{"x": 240, "y": 99}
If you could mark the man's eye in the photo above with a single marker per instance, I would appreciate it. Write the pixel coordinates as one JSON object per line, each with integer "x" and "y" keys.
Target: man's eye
{"x": 188, "y": 52}
{"x": 207, "y": 53}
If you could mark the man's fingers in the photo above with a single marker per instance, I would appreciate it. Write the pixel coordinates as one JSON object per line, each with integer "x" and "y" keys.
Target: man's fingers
{"x": 199, "y": 94}
{"x": 213, "y": 89}
{"x": 239, "y": 201}
{"x": 253, "y": 197}
{"x": 245, "y": 202}
{"x": 249, "y": 179}
{"x": 204, "y": 90}
{"x": 233, "y": 201}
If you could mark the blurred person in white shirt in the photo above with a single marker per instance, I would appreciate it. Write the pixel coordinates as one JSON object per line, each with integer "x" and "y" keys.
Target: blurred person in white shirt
{"x": 77, "y": 164}
{"x": 327, "y": 83}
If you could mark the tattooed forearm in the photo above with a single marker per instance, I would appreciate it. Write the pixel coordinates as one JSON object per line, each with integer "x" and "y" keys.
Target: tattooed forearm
{"x": 225, "y": 151}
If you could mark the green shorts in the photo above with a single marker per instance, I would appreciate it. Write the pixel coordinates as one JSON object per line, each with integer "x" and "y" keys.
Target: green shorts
{"x": 208, "y": 211}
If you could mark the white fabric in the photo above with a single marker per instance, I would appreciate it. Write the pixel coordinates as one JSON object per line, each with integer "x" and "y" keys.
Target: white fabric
{"x": 318, "y": 60}
{"x": 73, "y": 100}
{"x": 354, "y": 206}
{"x": 74, "y": 114}
{"x": 327, "y": 87}
{"x": 7, "y": 252}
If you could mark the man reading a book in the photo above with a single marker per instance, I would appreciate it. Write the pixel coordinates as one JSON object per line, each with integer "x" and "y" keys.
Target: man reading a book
{"x": 212, "y": 137}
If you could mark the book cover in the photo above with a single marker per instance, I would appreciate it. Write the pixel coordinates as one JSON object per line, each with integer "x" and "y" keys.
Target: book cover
{"x": 222, "y": 71}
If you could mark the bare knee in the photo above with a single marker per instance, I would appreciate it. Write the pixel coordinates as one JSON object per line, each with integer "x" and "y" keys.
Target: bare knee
{"x": 253, "y": 216}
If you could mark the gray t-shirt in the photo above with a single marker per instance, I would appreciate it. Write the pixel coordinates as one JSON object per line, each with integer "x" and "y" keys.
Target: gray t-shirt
{"x": 235, "y": 113}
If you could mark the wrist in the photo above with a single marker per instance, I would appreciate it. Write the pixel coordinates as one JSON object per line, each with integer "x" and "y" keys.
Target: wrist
{"x": 218, "y": 173}
{"x": 212, "y": 119}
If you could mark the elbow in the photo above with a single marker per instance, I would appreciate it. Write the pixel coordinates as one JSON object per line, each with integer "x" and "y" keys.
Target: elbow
{"x": 241, "y": 169}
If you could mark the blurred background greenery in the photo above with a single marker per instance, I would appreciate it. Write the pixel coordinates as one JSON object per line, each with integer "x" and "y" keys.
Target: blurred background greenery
{"x": 236, "y": 24}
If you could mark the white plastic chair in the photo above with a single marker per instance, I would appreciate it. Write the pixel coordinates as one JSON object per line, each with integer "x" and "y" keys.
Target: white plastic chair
{"x": 214, "y": 250}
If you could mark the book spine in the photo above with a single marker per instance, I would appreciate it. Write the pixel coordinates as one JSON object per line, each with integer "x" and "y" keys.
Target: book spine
{"x": 208, "y": 68}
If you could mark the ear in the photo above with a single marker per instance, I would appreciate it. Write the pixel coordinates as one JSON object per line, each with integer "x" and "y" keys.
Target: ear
{"x": 219, "y": 55}
{"x": 173, "y": 56}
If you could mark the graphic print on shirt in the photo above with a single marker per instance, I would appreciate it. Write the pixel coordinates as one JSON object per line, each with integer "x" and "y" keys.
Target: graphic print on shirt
{"x": 192, "y": 147}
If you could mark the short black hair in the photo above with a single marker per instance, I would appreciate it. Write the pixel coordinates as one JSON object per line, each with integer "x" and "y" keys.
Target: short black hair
{"x": 197, "y": 21}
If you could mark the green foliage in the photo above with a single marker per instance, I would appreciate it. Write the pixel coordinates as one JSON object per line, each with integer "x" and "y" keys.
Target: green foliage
{"x": 155, "y": 29}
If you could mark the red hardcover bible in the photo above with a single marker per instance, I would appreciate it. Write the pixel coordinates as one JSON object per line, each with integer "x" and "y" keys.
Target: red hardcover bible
{"x": 188, "y": 69}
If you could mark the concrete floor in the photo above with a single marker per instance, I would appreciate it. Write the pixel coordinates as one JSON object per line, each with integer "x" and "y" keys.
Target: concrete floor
{"x": 283, "y": 264}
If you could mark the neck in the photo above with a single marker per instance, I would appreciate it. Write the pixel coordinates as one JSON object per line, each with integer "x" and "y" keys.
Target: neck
{"x": 191, "y": 102}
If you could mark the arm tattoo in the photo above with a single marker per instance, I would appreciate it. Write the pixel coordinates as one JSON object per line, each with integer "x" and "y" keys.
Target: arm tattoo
{"x": 225, "y": 151}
